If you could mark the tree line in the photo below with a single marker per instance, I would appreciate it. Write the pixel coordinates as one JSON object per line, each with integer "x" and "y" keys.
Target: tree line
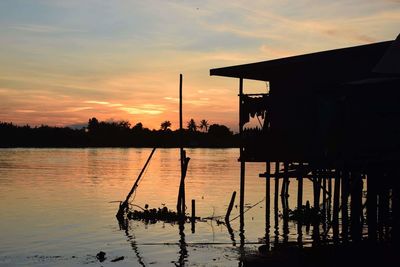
{"x": 118, "y": 134}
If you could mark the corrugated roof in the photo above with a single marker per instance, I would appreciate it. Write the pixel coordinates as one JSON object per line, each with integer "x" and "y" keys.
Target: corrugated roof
{"x": 327, "y": 67}
{"x": 390, "y": 62}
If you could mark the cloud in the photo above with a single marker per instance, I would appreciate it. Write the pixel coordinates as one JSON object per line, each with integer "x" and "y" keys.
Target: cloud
{"x": 144, "y": 110}
{"x": 35, "y": 28}
{"x": 25, "y": 110}
{"x": 97, "y": 102}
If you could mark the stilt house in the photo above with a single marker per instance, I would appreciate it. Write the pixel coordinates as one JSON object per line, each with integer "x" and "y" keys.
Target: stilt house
{"x": 328, "y": 115}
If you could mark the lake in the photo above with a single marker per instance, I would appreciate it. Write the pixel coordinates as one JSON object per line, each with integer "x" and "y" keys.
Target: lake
{"x": 58, "y": 207}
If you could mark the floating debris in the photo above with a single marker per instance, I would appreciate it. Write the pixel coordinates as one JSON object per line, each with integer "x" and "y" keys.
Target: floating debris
{"x": 306, "y": 214}
{"x": 101, "y": 256}
{"x": 118, "y": 259}
{"x": 155, "y": 215}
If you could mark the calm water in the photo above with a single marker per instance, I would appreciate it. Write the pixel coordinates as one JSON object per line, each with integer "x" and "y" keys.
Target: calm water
{"x": 57, "y": 207}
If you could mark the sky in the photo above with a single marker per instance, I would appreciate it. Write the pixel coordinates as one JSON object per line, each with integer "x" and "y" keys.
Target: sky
{"x": 63, "y": 62}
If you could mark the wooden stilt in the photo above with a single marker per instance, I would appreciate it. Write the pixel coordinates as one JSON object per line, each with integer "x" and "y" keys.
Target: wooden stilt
{"x": 284, "y": 197}
{"x": 276, "y": 214}
{"x": 383, "y": 211}
{"x": 300, "y": 205}
{"x": 395, "y": 210}
{"x": 267, "y": 202}
{"x": 356, "y": 194}
{"x": 372, "y": 207}
{"x": 324, "y": 205}
{"x": 317, "y": 192}
{"x": 335, "y": 217}
{"x": 242, "y": 167}
{"x": 329, "y": 209}
{"x": 345, "y": 214}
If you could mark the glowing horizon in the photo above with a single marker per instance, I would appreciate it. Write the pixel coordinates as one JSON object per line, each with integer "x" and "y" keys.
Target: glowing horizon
{"x": 64, "y": 62}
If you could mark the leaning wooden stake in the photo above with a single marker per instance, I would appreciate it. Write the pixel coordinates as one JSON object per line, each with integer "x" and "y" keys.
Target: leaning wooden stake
{"x": 123, "y": 207}
{"x": 228, "y": 212}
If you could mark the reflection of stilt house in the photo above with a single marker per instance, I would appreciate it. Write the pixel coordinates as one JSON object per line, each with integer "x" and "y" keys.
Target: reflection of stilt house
{"x": 330, "y": 116}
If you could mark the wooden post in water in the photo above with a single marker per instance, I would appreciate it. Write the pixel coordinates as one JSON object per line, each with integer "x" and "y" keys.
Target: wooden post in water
{"x": 356, "y": 194}
{"x": 124, "y": 206}
{"x": 324, "y": 205}
{"x": 329, "y": 211}
{"x": 300, "y": 187}
{"x": 317, "y": 192}
{"x": 276, "y": 211}
{"x": 267, "y": 201}
{"x": 181, "y": 203}
{"x": 228, "y": 212}
{"x": 335, "y": 216}
{"x": 242, "y": 165}
{"x": 383, "y": 208}
{"x": 395, "y": 209}
{"x": 285, "y": 204}
{"x": 193, "y": 210}
{"x": 300, "y": 204}
{"x": 345, "y": 213}
{"x": 193, "y": 219}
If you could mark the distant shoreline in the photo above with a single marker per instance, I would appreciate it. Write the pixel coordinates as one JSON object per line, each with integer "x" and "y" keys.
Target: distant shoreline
{"x": 74, "y": 147}
{"x": 115, "y": 134}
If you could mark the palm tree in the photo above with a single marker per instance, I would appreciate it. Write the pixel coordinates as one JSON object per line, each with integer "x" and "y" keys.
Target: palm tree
{"x": 165, "y": 125}
{"x": 192, "y": 126}
{"x": 204, "y": 125}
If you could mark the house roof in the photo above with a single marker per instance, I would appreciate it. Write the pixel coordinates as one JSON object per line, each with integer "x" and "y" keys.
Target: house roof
{"x": 327, "y": 67}
{"x": 390, "y": 62}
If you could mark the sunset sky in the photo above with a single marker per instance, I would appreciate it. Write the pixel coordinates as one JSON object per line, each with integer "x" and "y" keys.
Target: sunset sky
{"x": 64, "y": 61}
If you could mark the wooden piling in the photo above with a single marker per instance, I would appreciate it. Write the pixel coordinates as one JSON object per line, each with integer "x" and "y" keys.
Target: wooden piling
{"x": 180, "y": 206}
{"x": 242, "y": 167}
{"x": 335, "y": 215}
{"x": 344, "y": 198}
{"x": 383, "y": 214}
{"x": 356, "y": 205}
{"x": 329, "y": 211}
{"x": 300, "y": 204}
{"x": 317, "y": 192}
{"x": 193, "y": 210}
{"x": 372, "y": 207}
{"x": 228, "y": 212}
{"x": 276, "y": 211}
{"x": 285, "y": 202}
{"x": 193, "y": 219}
{"x": 324, "y": 204}
{"x": 267, "y": 201}
{"x": 395, "y": 209}
{"x": 300, "y": 187}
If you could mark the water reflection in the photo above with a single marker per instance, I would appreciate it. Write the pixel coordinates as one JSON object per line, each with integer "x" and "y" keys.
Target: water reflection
{"x": 183, "y": 252}
{"x": 60, "y": 185}
{"x": 124, "y": 225}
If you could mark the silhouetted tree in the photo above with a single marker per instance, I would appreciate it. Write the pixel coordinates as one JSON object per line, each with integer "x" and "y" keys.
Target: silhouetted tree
{"x": 138, "y": 127}
{"x": 204, "y": 125}
{"x": 192, "y": 126}
{"x": 124, "y": 124}
{"x": 165, "y": 125}
{"x": 113, "y": 134}
{"x": 219, "y": 130}
{"x": 93, "y": 124}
